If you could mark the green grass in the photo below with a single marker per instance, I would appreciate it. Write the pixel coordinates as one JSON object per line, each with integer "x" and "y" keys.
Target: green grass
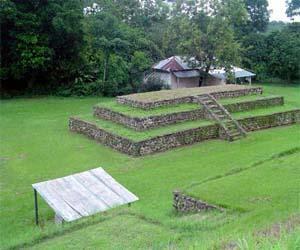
{"x": 138, "y": 112}
{"x": 246, "y": 98}
{"x": 265, "y": 111}
{"x": 256, "y": 178}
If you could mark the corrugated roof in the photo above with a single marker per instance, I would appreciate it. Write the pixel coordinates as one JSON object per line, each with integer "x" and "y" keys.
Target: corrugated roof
{"x": 163, "y": 65}
{"x": 187, "y": 74}
{"x": 238, "y": 73}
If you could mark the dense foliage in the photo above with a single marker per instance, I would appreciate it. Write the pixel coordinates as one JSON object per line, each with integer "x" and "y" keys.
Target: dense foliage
{"x": 105, "y": 47}
{"x": 276, "y": 54}
{"x": 293, "y": 8}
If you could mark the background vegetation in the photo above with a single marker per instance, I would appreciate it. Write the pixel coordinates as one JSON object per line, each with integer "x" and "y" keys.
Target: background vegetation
{"x": 77, "y": 47}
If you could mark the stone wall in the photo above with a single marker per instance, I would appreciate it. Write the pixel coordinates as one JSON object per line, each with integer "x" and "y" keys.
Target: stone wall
{"x": 255, "y": 104}
{"x": 187, "y": 99}
{"x": 269, "y": 121}
{"x": 144, "y": 123}
{"x": 92, "y": 131}
{"x": 173, "y": 140}
{"x": 178, "y": 139}
{"x": 145, "y": 147}
{"x": 185, "y": 203}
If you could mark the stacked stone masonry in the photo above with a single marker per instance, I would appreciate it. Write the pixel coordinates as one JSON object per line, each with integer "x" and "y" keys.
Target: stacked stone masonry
{"x": 188, "y": 99}
{"x": 173, "y": 140}
{"x": 144, "y": 123}
{"x": 185, "y": 203}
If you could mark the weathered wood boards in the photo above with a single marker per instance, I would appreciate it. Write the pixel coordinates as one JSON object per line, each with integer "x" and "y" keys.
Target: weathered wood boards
{"x": 83, "y": 194}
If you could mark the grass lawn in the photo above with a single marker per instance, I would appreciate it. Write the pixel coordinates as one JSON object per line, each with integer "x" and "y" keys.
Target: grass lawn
{"x": 257, "y": 179}
{"x": 138, "y": 112}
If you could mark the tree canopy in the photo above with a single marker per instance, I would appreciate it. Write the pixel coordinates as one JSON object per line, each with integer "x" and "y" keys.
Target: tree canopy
{"x": 293, "y": 8}
{"x": 106, "y": 46}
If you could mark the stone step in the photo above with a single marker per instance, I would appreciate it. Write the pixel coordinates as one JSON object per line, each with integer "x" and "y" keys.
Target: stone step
{"x": 234, "y": 138}
{"x": 222, "y": 116}
{"x": 202, "y": 98}
{"x": 212, "y": 105}
{"x": 235, "y": 134}
{"x": 230, "y": 125}
{"x": 208, "y": 103}
{"x": 235, "y": 131}
{"x": 219, "y": 111}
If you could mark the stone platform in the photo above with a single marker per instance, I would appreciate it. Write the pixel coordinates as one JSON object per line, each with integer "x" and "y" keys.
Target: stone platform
{"x": 177, "y": 139}
{"x": 170, "y": 97}
{"x": 138, "y": 125}
{"x": 154, "y": 121}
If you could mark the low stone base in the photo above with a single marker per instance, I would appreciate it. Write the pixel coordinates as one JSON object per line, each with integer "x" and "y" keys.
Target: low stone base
{"x": 185, "y": 203}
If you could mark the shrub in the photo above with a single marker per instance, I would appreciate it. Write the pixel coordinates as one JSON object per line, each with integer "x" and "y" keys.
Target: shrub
{"x": 153, "y": 83}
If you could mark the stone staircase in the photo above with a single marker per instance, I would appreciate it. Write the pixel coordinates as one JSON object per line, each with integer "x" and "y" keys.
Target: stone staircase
{"x": 216, "y": 111}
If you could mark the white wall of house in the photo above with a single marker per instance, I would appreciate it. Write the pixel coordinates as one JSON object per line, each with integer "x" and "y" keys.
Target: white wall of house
{"x": 174, "y": 82}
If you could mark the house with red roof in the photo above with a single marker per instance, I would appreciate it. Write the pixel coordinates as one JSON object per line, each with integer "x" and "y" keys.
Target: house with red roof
{"x": 180, "y": 72}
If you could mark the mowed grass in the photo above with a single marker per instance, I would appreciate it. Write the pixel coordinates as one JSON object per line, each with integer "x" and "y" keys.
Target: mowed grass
{"x": 256, "y": 179}
{"x": 138, "y": 112}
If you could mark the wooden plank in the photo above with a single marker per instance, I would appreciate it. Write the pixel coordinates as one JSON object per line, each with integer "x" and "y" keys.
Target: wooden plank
{"x": 114, "y": 185}
{"x": 55, "y": 202}
{"x": 83, "y": 194}
{"x": 95, "y": 204}
{"x": 100, "y": 190}
{"x": 71, "y": 195}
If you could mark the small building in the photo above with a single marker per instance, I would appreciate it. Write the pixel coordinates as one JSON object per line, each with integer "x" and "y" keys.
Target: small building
{"x": 177, "y": 72}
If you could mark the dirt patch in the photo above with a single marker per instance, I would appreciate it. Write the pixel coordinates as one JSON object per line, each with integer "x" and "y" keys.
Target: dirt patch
{"x": 276, "y": 230}
{"x": 260, "y": 199}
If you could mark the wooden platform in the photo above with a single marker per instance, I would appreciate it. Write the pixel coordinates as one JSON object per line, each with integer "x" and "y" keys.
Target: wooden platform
{"x": 83, "y": 194}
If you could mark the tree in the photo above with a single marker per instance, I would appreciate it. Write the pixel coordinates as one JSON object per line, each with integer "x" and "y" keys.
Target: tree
{"x": 138, "y": 65}
{"x": 108, "y": 37}
{"x": 284, "y": 53}
{"x": 212, "y": 39}
{"x": 276, "y": 54}
{"x": 293, "y": 8}
{"x": 38, "y": 39}
{"x": 258, "y": 15}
